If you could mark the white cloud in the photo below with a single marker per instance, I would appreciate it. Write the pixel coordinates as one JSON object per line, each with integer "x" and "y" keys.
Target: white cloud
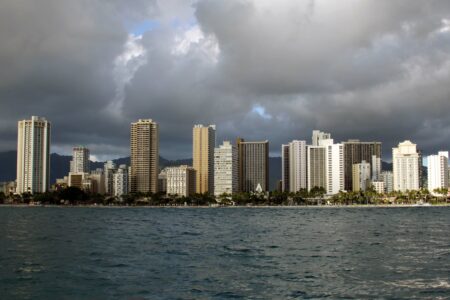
{"x": 445, "y": 26}
{"x": 126, "y": 65}
{"x": 194, "y": 39}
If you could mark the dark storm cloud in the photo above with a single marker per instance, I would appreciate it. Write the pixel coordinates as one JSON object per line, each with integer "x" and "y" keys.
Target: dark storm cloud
{"x": 373, "y": 69}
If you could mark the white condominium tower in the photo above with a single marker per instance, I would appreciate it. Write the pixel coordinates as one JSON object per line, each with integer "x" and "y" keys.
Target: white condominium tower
{"x": 80, "y": 160}
{"x": 335, "y": 167}
{"x": 326, "y": 166}
{"x": 225, "y": 169}
{"x": 405, "y": 160}
{"x": 438, "y": 171}
{"x": 144, "y": 158}
{"x": 203, "y": 143}
{"x": 33, "y": 155}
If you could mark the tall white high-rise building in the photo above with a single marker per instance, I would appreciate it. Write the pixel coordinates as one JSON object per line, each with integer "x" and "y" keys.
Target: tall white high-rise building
{"x": 80, "y": 160}
{"x": 438, "y": 171}
{"x": 225, "y": 169}
{"x": 326, "y": 166}
{"x": 33, "y": 155}
{"x": 181, "y": 180}
{"x": 335, "y": 167}
{"x": 120, "y": 181}
{"x": 297, "y": 166}
{"x": 405, "y": 160}
{"x": 318, "y": 136}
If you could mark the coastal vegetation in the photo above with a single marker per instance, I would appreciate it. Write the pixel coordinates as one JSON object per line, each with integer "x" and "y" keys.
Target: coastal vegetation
{"x": 76, "y": 196}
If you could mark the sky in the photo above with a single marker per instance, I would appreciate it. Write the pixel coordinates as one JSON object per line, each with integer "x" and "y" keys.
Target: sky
{"x": 259, "y": 69}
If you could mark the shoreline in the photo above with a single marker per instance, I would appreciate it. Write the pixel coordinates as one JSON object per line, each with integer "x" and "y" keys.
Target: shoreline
{"x": 232, "y": 206}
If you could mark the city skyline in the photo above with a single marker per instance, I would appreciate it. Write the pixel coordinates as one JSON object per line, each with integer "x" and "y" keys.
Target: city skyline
{"x": 255, "y": 69}
{"x": 317, "y": 136}
{"x": 215, "y": 149}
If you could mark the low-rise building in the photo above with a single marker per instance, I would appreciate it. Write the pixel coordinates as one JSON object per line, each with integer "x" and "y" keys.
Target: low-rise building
{"x": 378, "y": 186}
{"x": 97, "y": 181}
{"x": 8, "y": 187}
{"x": 181, "y": 181}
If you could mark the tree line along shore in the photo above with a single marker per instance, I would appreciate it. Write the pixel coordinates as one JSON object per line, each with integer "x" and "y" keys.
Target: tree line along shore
{"x": 76, "y": 196}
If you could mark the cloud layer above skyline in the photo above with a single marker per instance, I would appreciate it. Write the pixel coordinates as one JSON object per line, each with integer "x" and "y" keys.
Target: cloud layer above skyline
{"x": 260, "y": 69}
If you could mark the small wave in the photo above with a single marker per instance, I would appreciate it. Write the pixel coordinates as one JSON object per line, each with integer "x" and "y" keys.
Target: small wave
{"x": 120, "y": 265}
{"x": 190, "y": 233}
{"x": 422, "y": 283}
{"x": 237, "y": 249}
{"x": 228, "y": 295}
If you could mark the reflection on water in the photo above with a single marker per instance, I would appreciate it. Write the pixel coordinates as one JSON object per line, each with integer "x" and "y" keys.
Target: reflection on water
{"x": 264, "y": 253}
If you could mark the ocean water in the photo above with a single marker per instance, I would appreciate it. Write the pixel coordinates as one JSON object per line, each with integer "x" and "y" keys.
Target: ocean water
{"x": 224, "y": 253}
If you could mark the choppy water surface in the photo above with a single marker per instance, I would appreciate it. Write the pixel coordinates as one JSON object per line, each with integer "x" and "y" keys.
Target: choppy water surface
{"x": 251, "y": 253}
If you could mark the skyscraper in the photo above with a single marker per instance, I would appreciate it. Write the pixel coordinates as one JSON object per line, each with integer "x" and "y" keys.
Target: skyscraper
{"x": 405, "y": 159}
{"x": 355, "y": 152}
{"x": 438, "y": 171}
{"x": 225, "y": 169}
{"x": 297, "y": 166}
{"x": 203, "y": 143}
{"x": 326, "y": 166}
{"x": 144, "y": 156}
{"x": 109, "y": 169}
{"x": 285, "y": 168}
{"x": 33, "y": 155}
{"x": 253, "y": 165}
{"x": 80, "y": 160}
{"x": 335, "y": 167}
{"x": 317, "y": 167}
